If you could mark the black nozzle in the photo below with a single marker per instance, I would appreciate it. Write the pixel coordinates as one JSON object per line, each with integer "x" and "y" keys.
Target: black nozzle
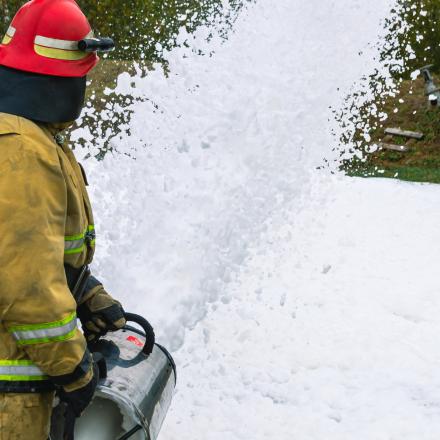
{"x": 96, "y": 45}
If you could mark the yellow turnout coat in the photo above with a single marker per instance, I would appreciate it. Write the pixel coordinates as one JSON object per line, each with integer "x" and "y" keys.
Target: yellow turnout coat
{"x": 45, "y": 222}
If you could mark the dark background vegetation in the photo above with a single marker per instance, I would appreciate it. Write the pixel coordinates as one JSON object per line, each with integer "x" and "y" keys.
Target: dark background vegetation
{"x": 137, "y": 25}
{"x": 415, "y": 25}
{"x": 142, "y": 29}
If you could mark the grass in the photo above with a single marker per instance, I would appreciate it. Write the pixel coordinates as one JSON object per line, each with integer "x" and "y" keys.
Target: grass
{"x": 422, "y": 162}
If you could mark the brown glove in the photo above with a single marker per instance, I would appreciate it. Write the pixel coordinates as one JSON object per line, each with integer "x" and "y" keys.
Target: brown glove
{"x": 100, "y": 313}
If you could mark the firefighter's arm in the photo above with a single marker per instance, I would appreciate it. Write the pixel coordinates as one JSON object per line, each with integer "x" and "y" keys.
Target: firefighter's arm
{"x": 39, "y": 311}
{"x": 98, "y": 311}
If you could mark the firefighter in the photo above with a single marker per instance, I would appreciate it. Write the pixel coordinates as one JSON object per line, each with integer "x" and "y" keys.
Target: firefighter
{"x": 47, "y": 234}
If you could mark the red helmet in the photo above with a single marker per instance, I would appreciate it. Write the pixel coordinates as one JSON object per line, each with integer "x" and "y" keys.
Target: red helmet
{"x": 43, "y": 38}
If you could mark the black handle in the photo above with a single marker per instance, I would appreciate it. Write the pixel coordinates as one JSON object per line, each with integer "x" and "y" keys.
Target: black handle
{"x": 148, "y": 330}
{"x": 131, "y": 433}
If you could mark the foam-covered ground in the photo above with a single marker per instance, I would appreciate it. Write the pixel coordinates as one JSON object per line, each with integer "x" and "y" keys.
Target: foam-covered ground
{"x": 332, "y": 329}
{"x": 297, "y": 305}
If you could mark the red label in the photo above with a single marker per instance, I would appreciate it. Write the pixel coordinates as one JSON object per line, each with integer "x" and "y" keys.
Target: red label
{"x": 135, "y": 341}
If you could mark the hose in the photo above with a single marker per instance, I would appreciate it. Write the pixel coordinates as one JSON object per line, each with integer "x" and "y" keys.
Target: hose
{"x": 148, "y": 331}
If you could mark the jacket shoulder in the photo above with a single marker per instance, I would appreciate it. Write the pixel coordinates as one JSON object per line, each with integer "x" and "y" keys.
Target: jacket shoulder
{"x": 32, "y": 140}
{"x": 9, "y": 124}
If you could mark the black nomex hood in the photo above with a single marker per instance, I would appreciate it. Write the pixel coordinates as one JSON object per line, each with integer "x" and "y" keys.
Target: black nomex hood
{"x": 41, "y": 98}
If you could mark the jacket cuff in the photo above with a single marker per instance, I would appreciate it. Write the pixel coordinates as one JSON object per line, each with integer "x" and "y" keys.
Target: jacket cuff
{"x": 93, "y": 286}
{"x": 80, "y": 372}
{"x": 80, "y": 383}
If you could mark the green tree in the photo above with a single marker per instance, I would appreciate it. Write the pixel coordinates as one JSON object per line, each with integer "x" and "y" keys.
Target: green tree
{"x": 138, "y": 25}
{"x": 415, "y": 25}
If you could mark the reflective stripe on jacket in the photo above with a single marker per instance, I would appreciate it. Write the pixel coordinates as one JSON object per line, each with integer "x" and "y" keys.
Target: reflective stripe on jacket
{"x": 45, "y": 222}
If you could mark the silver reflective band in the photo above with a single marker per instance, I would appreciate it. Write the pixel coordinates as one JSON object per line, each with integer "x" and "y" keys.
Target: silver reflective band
{"x": 10, "y": 32}
{"x": 54, "y": 43}
{"x": 47, "y": 333}
{"x": 20, "y": 370}
{"x": 75, "y": 244}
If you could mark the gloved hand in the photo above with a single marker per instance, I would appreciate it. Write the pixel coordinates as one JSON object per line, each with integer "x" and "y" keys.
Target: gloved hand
{"x": 76, "y": 398}
{"x": 100, "y": 313}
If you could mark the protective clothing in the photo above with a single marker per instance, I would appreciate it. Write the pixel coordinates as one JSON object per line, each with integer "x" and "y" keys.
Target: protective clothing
{"x": 39, "y": 97}
{"x": 48, "y": 224}
{"x": 99, "y": 312}
{"x": 46, "y": 228}
{"x": 49, "y": 221}
{"x": 25, "y": 416}
{"x": 44, "y": 37}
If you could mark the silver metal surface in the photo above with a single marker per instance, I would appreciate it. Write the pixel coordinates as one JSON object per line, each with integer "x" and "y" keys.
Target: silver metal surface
{"x": 137, "y": 391}
{"x": 431, "y": 89}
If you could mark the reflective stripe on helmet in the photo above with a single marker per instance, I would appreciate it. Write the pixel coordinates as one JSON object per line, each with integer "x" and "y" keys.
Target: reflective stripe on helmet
{"x": 60, "y": 54}
{"x": 9, "y": 35}
{"x": 42, "y": 333}
{"x": 75, "y": 244}
{"x": 23, "y": 370}
{"x": 59, "y": 49}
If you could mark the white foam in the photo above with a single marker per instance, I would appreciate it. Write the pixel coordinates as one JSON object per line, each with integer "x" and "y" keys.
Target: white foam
{"x": 297, "y": 306}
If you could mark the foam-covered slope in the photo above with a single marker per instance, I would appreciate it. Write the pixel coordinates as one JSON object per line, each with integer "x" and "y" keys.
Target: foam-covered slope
{"x": 332, "y": 328}
{"x": 297, "y": 305}
{"x": 221, "y": 144}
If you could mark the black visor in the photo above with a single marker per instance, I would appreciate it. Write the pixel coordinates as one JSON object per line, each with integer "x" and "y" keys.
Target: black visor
{"x": 41, "y": 98}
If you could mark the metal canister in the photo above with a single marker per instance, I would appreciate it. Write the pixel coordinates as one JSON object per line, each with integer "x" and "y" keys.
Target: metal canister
{"x": 134, "y": 398}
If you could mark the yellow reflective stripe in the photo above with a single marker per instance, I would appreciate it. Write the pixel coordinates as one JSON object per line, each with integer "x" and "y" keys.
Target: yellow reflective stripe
{"x": 75, "y": 244}
{"x": 89, "y": 228}
{"x": 75, "y": 237}
{"x": 91, "y": 232}
{"x": 9, "y": 35}
{"x": 20, "y": 370}
{"x": 45, "y": 325}
{"x": 60, "y": 54}
{"x": 48, "y": 340}
{"x": 20, "y": 378}
{"x": 75, "y": 251}
{"x": 55, "y": 331}
{"x": 59, "y": 49}
{"x": 14, "y": 362}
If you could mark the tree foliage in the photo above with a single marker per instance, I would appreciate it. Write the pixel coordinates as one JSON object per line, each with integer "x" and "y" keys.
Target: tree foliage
{"x": 413, "y": 38}
{"x": 139, "y": 27}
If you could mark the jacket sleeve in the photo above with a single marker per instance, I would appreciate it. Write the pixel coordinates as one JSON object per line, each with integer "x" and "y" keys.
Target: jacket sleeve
{"x": 93, "y": 287}
{"x": 37, "y": 307}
